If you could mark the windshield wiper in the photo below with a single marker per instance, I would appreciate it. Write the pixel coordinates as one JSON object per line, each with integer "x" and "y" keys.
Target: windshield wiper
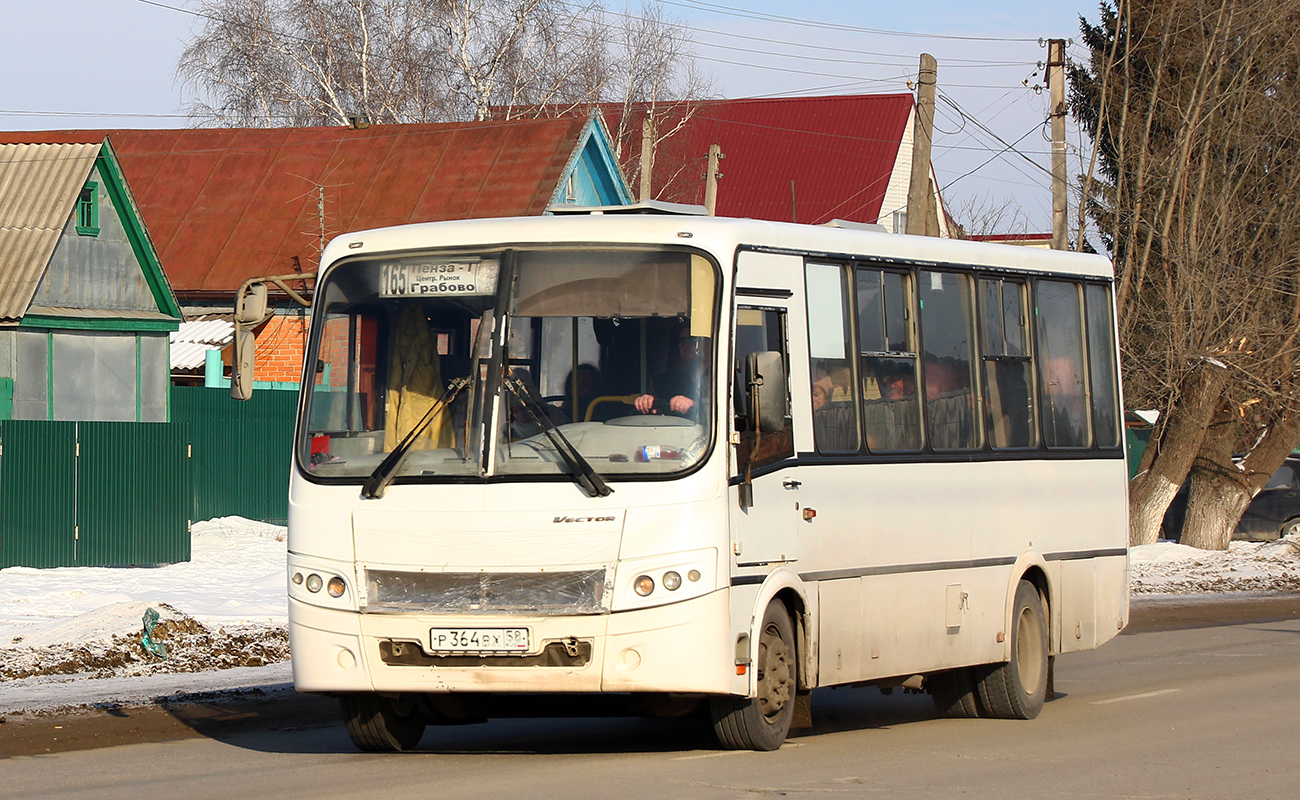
{"x": 387, "y": 469}
{"x": 586, "y": 476}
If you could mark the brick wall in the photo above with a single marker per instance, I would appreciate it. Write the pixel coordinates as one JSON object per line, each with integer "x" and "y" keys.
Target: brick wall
{"x": 281, "y": 343}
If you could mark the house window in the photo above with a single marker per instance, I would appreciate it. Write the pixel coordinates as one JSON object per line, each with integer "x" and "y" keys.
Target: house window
{"x": 88, "y": 210}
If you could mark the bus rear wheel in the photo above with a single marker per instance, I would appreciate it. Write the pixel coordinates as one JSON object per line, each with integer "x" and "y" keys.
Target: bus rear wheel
{"x": 762, "y": 722}
{"x": 378, "y": 724}
{"x": 954, "y": 693}
{"x": 1017, "y": 688}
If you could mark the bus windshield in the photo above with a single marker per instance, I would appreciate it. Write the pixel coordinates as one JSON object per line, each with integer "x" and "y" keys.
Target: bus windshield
{"x": 606, "y": 352}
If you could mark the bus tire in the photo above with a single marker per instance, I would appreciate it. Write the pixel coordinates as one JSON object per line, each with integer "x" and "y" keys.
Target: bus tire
{"x": 378, "y": 724}
{"x": 1017, "y": 688}
{"x": 954, "y": 693}
{"x": 762, "y": 722}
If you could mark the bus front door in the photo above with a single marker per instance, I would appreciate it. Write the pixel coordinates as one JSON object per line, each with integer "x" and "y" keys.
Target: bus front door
{"x": 763, "y": 490}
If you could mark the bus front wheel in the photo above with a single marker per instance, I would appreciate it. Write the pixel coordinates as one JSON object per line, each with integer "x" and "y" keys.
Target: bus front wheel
{"x": 1017, "y": 688}
{"x": 763, "y": 721}
{"x": 378, "y": 724}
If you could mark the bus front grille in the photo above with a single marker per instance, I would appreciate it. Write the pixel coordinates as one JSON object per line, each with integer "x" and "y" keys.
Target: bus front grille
{"x": 546, "y": 593}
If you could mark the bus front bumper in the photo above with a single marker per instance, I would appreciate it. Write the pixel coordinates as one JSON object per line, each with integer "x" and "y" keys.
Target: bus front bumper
{"x": 679, "y": 648}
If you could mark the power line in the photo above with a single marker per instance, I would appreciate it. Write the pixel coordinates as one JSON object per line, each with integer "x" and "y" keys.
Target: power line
{"x": 991, "y": 159}
{"x": 956, "y": 107}
{"x": 821, "y": 59}
{"x": 699, "y": 5}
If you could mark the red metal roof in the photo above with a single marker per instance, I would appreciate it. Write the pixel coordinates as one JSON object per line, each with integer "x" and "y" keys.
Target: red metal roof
{"x": 839, "y": 151}
{"x": 225, "y": 205}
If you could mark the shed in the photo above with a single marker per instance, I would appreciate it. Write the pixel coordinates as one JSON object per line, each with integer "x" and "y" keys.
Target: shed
{"x": 85, "y": 308}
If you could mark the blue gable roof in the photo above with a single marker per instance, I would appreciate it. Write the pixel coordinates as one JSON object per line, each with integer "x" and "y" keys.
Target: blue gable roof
{"x": 592, "y": 176}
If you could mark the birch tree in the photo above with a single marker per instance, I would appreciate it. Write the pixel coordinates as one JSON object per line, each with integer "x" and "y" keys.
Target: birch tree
{"x": 266, "y": 63}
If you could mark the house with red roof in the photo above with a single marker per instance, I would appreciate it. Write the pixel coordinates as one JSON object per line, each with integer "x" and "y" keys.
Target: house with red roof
{"x": 225, "y": 205}
{"x": 795, "y": 159}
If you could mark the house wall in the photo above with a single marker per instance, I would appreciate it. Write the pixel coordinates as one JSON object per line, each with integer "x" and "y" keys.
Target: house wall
{"x": 896, "y": 193}
{"x": 99, "y": 272}
{"x": 899, "y": 181}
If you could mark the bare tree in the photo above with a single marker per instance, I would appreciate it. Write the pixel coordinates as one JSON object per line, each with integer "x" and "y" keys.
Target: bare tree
{"x": 986, "y": 215}
{"x": 638, "y": 65}
{"x": 302, "y": 62}
{"x": 1191, "y": 106}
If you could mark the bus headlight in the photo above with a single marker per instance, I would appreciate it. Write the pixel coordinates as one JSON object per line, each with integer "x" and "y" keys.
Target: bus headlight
{"x": 664, "y": 578}
{"x": 335, "y": 587}
{"x": 314, "y": 583}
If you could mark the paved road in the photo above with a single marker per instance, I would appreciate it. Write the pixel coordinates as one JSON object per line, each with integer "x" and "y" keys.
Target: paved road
{"x": 1211, "y": 712}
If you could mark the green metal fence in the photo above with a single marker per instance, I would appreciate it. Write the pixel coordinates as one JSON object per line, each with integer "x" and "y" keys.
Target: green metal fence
{"x": 94, "y": 493}
{"x": 241, "y": 450}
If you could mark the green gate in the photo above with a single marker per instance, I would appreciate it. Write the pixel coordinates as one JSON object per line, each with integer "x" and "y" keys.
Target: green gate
{"x": 242, "y": 450}
{"x": 94, "y": 493}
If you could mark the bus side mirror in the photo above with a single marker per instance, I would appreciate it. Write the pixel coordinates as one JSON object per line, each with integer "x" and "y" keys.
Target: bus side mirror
{"x": 250, "y": 310}
{"x": 250, "y": 305}
{"x": 765, "y": 378}
{"x": 241, "y": 364}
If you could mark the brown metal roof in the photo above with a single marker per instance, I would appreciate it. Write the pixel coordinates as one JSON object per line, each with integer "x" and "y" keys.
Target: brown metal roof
{"x": 39, "y": 184}
{"x": 225, "y": 205}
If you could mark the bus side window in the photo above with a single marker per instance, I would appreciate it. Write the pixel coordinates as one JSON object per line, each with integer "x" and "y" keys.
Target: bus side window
{"x": 1060, "y": 364}
{"x": 1008, "y": 365}
{"x": 891, "y": 414}
{"x": 759, "y": 330}
{"x": 834, "y": 394}
{"x": 947, "y": 349}
{"x": 1101, "y": 366}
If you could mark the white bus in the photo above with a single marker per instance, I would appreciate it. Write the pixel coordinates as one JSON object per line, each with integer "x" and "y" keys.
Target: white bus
{"x": 668, "y": 462}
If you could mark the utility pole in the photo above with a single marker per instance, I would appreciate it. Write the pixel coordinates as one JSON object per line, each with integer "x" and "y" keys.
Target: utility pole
{"x": 711, "y": 180}
{"x": 919, "y": 191}
{"x": 1056, "y": 83}
{"x": 647, "y": 155}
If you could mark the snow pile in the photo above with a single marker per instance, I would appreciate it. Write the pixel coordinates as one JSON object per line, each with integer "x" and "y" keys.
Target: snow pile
{"x": 1174, "y": 569}
{"x": 224, "y": 608}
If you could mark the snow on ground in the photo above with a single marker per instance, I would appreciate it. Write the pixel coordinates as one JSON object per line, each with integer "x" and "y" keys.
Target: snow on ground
{"x": 71, "y": 637}
{"x": 1166, "y": 568}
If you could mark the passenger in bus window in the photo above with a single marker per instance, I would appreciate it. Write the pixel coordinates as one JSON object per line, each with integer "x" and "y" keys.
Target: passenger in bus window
{"x": 891, "y": 419}
{"x": 821, "y": 392}
{"x": 679, "y": 385}
{"x": 835, "y": 425}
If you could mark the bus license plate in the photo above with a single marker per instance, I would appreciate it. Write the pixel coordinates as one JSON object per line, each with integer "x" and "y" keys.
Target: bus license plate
{"x": 478, "y": 640}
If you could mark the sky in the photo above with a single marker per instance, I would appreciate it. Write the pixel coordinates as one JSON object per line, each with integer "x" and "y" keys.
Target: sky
{"x": 111, "y": 63}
